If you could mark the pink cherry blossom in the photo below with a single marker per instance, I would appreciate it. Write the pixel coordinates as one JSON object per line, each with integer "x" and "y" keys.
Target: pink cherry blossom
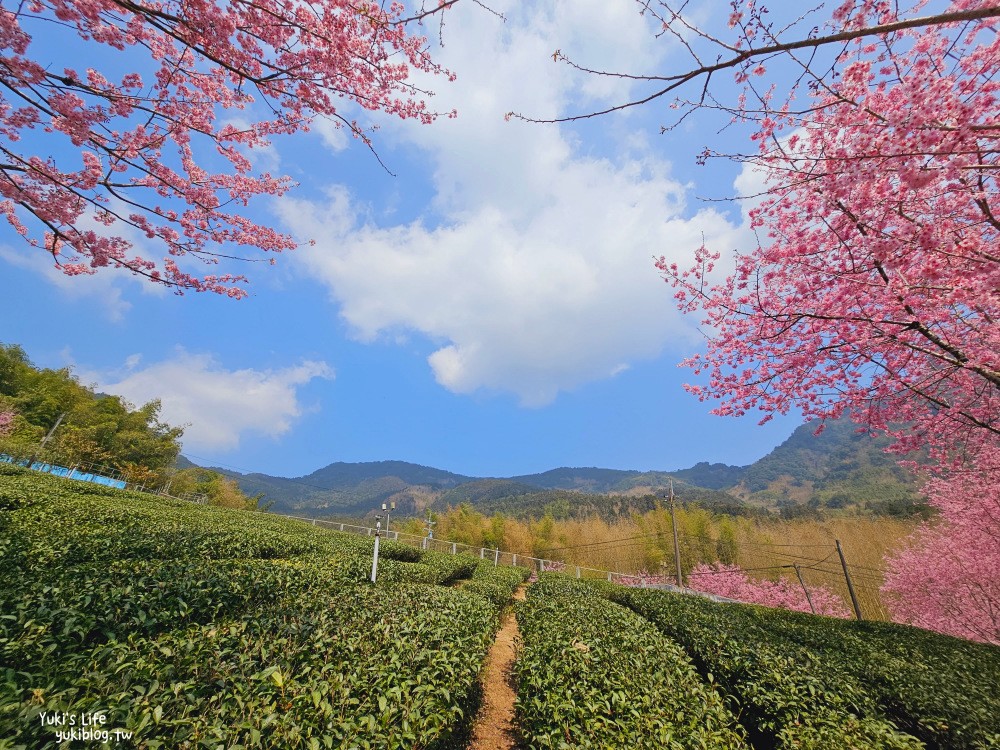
{"x": 947, "y": 578}
{"x": 6, "y": 422}
{"x": 92, "y": 157}
{"x": 732, "y": 582}
{"x": 874, "y": 286}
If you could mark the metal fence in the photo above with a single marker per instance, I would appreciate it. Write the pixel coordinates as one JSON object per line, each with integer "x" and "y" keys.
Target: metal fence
{"x": 82, "y": 472}
{"x": 503, "y": 557}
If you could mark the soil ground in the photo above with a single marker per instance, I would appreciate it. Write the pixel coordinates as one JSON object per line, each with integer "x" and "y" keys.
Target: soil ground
{"x": 494, "y": 727}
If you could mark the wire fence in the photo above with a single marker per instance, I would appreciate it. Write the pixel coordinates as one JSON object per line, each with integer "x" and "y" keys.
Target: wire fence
{"x": 86, "y": 471}
{"x": 504, "y": 557}
{"x": 767, "y": 559}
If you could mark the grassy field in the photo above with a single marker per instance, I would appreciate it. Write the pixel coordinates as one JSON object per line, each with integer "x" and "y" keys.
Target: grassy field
{"x": 188, "y": 626}
{"x": 130, "y": 620}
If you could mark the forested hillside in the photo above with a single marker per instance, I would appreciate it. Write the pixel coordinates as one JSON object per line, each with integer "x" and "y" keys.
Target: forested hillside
{"x": 838, "y": 470}
{"x": 99, "y": 432}
{"x": 94, "y": 428}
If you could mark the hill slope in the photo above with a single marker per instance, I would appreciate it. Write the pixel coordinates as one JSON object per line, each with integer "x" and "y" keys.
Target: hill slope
{"x": 837, "y": 469}
{"x": 209, "y": 614}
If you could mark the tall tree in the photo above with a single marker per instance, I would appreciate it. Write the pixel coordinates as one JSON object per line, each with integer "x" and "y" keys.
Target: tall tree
{"x": 874, "y": 284}
{"x": 151, "y": 138}
{"x": 95, "y": 428}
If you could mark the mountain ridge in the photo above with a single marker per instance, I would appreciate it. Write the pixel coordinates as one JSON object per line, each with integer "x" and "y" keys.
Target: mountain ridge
{"x": 806, "y": 473}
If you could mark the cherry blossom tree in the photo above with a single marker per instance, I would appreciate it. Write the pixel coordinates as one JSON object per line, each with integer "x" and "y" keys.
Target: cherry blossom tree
{"x": 732, "y": 582}
{"x": 6, "y": 422}
{"x": 948, "y": 577}
{"x": 151, "y": 138}
{"x": 873, "y": 287}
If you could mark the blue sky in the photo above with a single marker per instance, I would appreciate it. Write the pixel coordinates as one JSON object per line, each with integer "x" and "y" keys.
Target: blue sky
{"x": 492, "y": 309}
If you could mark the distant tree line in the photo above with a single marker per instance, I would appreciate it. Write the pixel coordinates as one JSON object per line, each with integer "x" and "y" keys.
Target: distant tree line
{"x": 96, "y": 430}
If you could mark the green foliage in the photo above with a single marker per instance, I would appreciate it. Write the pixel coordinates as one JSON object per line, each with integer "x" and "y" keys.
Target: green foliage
{"x": 837, "y": 469}
{"x": 496, "y": 583}
{"x": 214, "y": 487}
{"x": 593, "y": 674}
{"x": 791, "y": 697}
{"x": 97, "y": 428}
{"x": 565, "y": 504}
{"x": 196, "y": 626}
{"x": 450, "y": 568}
{"x": 558, "y": 585}
{"x": 944, "y": 690}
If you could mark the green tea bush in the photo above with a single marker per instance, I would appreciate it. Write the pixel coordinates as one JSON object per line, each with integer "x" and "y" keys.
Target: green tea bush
{"x": 504, "y": 575}
{"x": 364, "y": 667}
{"x": 450, "y": 568}
{"x": 496, "y": 583}
{"x": 194, "y": 626}
{"x": 944, "y": 690}
{"x": 593, "y": 674}
{"x": 791, "y": 698}
{"x": 559, "y": 584}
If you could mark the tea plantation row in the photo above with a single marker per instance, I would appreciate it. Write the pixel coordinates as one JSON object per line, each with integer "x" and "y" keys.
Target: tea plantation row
{"x": 195, "y": 627}
{"x": 610, "y": 667}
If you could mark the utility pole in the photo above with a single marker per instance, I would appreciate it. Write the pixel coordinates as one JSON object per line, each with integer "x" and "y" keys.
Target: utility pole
{"x": 429, "y": 528}
{"x": 850, "y": 585}
{"x": 803, "y": 583}
{"x": 677, "y": 549}
{"x": 378, "y": 530}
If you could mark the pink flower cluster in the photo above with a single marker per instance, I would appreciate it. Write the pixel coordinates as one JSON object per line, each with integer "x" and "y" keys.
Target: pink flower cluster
{"x": 160, "y": 153}
{"x": 6, "y": 422}
{"x": 733, "y": 583}
{"x": 948, "y": 577}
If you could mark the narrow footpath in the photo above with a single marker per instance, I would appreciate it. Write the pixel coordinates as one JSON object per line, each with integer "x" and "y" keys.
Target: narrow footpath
{"x": 494, "y": 727}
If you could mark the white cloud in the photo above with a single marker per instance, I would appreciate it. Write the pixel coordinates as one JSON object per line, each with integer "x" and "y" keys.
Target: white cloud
{"x": 537, "y": 274}
{"x": 218, "y": 405}
{"x": 335, "y": 136}
{"x": 568, "y": 296}
{"x": 105, "y": 286}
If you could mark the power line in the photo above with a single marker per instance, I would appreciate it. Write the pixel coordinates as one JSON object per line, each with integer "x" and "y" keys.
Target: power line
{"x": 607, "y": 541}
{"x": 754, "y": 544}
{"x": 735, "y": 569}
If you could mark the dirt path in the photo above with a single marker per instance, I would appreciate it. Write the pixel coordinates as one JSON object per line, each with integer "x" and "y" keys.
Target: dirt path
{"x": 494, "y": 727}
